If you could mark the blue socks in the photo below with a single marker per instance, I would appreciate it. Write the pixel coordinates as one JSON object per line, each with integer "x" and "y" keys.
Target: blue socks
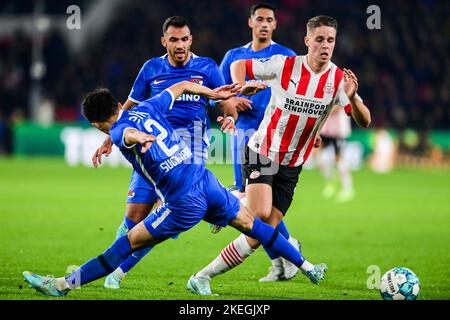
{"x": 119, "y": 254}
{"x": 136, "y": 256}
{"x": 275, "y": 242}
{"x": 120, "y": 251}
{"x": 128, "y": 223}
{"x": 281, "y": 228}
{"x": 102, "y": 265}
{"x": 133, "y": 259}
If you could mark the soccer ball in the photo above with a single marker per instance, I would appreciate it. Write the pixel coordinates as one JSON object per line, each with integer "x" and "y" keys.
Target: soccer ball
{"x": 399, "y": 284}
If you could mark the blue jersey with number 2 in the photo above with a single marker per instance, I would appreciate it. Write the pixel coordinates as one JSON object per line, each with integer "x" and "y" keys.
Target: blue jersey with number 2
{"x": 168, "y": 163}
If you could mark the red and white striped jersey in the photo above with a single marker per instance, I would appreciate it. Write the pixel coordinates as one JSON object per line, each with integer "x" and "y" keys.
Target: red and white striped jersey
{"x": 301, "y": 101}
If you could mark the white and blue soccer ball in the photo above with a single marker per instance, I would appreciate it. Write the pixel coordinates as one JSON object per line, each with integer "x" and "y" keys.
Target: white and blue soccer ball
{"x": 399, "y": 284}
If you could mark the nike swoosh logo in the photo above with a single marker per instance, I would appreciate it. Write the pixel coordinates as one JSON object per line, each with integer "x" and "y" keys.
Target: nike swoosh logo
{"x": 158, "y": 82}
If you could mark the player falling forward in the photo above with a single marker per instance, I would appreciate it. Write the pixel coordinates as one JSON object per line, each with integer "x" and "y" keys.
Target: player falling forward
{"x": 191, "y": 193}
{"x": 262, "y": 21}
{"x": 304, "y": 89}
{"x": 187, "y": 115}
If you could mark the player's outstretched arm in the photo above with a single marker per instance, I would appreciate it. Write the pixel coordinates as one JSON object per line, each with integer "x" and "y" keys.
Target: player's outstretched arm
{"x": 221, "y": 93}
{"x": 134, "y": 136}
{"x": 360, "y": 112}
{"x": 238, "y": 71}
{"x": 252, "y": 88}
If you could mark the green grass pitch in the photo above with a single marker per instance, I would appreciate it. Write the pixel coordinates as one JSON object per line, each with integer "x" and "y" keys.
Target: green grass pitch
{"x": 53, "y": 216}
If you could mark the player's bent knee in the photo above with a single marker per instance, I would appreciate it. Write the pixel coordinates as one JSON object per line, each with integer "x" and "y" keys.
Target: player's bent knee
{"x": 261, "y": 212}
{"x": 138, "y": 211}
{"x": 139, "y": 237}
{"x": 243, "y": 221}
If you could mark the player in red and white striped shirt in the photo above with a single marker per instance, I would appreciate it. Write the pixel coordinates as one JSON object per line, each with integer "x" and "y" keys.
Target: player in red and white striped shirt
{"x": 301, "y": 101}
{"x": 304, "y": 90}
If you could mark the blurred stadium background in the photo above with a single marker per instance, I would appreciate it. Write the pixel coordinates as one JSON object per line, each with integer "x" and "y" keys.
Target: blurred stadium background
{"x": 46, "y": 68}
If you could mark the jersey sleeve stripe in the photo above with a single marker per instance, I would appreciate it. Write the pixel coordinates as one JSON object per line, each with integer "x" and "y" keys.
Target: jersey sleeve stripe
{"x": 348, "y": 109}
{"x": 173, "y": 98}
{"x": 304, "y": 81}
{"x": 302, "y": 141}
{"x": 134, "y": 100}
{"x": 320, "y": 87}
{"x": 338, "y": 75}
{"x": 271, "y": 128}
{"x": 287, "y": 72}
{"x": 249, "y": 69}
{"x": 123, "y": 138}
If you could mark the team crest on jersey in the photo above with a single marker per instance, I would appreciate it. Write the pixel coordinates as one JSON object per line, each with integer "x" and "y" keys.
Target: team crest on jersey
{"x": 197, "y": 80}
{"x": 255, "y": 174}
{"x": 131, "y": 193}
{"x": 329, "y": 88}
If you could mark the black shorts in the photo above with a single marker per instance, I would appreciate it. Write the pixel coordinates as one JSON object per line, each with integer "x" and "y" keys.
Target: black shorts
{"x": 335, "y": 142}
{"x": 283, "y": 179}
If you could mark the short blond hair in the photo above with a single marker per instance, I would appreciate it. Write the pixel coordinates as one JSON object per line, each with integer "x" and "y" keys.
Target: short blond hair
{"x": 319, "y": 21}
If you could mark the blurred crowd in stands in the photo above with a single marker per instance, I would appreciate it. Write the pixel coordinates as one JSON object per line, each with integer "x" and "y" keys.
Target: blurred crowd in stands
{"x": 403, "y": 69}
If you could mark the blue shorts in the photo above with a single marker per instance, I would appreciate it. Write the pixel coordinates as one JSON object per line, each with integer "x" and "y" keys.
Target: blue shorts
{"x": 140, "y": 191}
{"x": 207, "y": 200}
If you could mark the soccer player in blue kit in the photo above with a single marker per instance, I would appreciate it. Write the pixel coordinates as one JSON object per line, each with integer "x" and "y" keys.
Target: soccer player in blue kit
{"x": 188, "y": 116}
{"x": 262, "y": 21}
{"x": 191, "y": 193}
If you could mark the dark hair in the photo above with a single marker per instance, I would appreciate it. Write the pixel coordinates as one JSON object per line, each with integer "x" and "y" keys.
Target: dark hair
{"x": 99, "y": 105}
{"x": 264, "y": 5}
{"x": 176, "y": 21}
{"x": 319, "y": 21}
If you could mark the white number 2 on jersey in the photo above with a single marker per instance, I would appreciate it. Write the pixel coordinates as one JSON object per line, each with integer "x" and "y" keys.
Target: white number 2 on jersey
{"x": 160, "y": 137}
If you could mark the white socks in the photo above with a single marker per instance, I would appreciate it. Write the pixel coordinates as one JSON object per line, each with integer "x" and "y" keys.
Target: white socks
{"x": 306, "y": 266}
{"x": 119, "y": 273}
{"x": 231, "y": 256}
{"x": 61, "y": 284}
{"x": 277, "y": 262}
